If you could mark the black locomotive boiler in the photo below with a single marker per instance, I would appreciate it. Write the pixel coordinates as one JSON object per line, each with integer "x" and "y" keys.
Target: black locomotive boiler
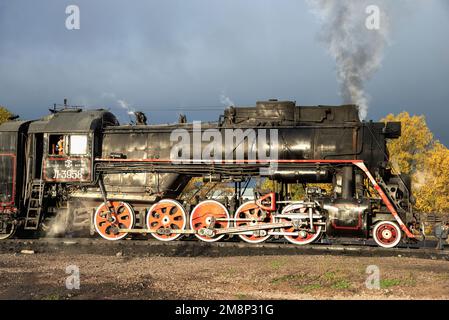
{"x": 80, "y": 169}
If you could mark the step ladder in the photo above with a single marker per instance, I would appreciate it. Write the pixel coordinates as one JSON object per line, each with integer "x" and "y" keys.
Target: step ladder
{"x": 34, "y": 209}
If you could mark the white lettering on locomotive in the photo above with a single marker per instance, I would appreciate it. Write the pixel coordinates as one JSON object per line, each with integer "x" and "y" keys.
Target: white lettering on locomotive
{"x": 68, "y": 174}
{"x": 259, "y": 144}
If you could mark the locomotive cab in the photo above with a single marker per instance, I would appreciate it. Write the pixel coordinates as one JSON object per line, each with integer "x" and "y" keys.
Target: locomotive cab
{"x": 65, "y": 143}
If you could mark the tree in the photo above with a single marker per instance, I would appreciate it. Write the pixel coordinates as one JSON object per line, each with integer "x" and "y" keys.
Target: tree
{"x": 297, "y": 191}
{"x": 417, "y": 153}
{"x": 197, "y": 187}
{"x": 432, "y": 181}
{"x": 4, "y": 114}
{"x": 409, "y": 151}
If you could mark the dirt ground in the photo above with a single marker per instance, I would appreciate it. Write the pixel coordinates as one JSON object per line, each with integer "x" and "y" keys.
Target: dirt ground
{"x": 43, "y": 276}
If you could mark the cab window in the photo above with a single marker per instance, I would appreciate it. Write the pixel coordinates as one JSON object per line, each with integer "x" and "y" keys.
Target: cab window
{"x": 78, "y": 144}
{"x": 57, "y": 144}
{"x": 74, "y": 144}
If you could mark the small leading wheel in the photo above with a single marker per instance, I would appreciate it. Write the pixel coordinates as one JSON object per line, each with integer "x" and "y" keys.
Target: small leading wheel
{"x": 165, "y": 215}
{"x": 203, "y": 215}
{"x": 304, "y": 236}
{"x": 255, "y": 215}
{"x": 387, "y": 234}
{"x": 8, "y": 232}
{"x": 121, "y": 217}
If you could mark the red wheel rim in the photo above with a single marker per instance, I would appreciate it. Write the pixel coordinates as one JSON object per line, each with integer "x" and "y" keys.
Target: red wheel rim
{"x": 123, "y": 218}
{"x": 201, "y": 217}
{"x": 304, "y": 237}
{"x": 386, "y": 234}
{"x": 166, "y": 214}
{"x": 251, "y": 210}
{"x": 309, "y": 236}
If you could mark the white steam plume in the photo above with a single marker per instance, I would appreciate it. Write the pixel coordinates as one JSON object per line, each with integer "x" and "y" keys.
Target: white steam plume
{"x": 125, "y": 105}
{"x": 111, "y": 98}
{"x": 225, "y": 100}
{"x": 357, "y": 50}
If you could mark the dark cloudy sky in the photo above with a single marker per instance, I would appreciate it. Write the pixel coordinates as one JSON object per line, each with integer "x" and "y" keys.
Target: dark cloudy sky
{"x": 164, "y": 56}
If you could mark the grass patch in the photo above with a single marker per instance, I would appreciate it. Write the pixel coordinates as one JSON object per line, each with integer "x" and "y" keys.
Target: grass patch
{"x": 341, "y": 284}
{"x": 308, "y": 282}
{"x": 311, "y": 287}
{"x": 287, "y": 278}
{"x": 411, "y": 282}
{"x": 276, "y": 264}
{"x": 330, "y": 275}
{"x": 230, "y": 271}
{"x": 241, "y": 296}
{"x": 388, "y": 283}
{"x": 336, "y": 281}
{"x": 53, "y": 296}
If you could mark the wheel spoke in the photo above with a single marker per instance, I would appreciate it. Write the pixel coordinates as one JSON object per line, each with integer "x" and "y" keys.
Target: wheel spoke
{"x": 166, "y": 214}
{"x": 123, "y": 218}
{"x": 201, "y": 217}
{"x": 304, "y": 236}
{"x": 250, "y": 210}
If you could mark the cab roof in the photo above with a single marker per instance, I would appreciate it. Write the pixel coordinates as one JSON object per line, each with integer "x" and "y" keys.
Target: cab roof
{"x": 74, "y": 120}
{"x": 13, "y": 126}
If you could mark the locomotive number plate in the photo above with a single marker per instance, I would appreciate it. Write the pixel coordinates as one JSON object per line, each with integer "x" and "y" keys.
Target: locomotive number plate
{"x": 67, "y": 169}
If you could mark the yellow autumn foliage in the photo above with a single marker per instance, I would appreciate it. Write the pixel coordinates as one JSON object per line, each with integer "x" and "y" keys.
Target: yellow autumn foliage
{"x": 417, "y": 153}
{"x": 432, "y": 181}
{"x": 297, "y": 190}
{"x": 4, "y": 114}
{"x": 407, "y": 152}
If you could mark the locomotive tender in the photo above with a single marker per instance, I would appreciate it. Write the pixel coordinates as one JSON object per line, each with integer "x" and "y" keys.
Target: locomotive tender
{"x": 80, "y": 168}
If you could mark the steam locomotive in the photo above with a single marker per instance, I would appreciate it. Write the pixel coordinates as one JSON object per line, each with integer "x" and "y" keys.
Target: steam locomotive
{"x": 80, "y": 169}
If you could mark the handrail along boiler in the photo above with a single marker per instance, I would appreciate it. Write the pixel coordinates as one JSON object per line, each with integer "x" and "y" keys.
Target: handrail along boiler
{"x": 81, "y": 169}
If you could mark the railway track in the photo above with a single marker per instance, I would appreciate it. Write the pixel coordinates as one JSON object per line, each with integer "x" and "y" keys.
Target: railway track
{"x": 192, "y": 248}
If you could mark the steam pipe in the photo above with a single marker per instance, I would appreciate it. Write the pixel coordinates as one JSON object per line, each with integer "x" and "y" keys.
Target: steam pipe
{"x": 347, "y": 188}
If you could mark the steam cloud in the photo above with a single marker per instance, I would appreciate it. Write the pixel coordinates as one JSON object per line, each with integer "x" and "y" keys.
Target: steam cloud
{"x": 357, "y": 50}
{"x": 225, "y": 100}
{"x": 125, "y": 105}
{"x": 111, "y": 98}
